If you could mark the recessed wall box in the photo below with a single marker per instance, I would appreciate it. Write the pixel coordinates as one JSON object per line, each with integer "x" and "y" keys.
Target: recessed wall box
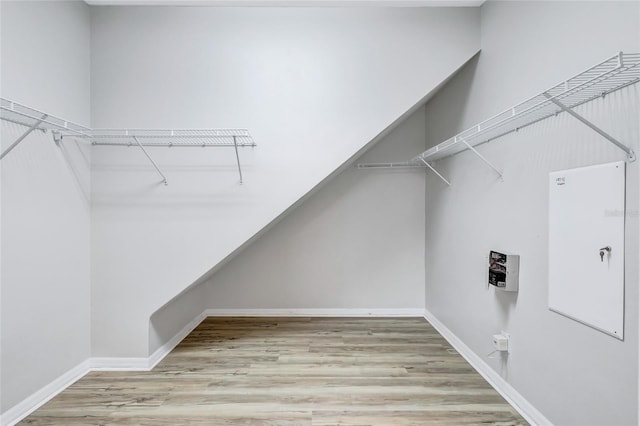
{"x": 504, "y": 269}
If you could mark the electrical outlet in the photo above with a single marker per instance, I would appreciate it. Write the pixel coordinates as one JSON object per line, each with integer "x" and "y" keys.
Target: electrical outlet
{"x": 501, "y": 342}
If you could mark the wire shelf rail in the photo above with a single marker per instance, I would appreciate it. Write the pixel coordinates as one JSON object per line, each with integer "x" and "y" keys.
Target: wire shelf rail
{"x": 173, "y": 137}
{"x": 36, "y": 120}
{"x": 29, "y": 117}
{"x": 610, "y": 75}
{"x": 613, "y": 74}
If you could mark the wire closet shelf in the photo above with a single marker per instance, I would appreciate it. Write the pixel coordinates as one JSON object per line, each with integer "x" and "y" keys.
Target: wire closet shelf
{"x": 23, "y": 115}
{"x": 173, "y": 137}
{"x": 613, "y": 74}
{"x": 36, "y": 120}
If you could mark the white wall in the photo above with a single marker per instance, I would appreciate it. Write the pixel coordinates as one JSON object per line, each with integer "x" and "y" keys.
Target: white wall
{"x": 355, "y": 244}
{"x": 573, "y": 374}
{"x": 312, "y": 85}
{"x": 1, "y": 139}
{"x": 45, "y": 208}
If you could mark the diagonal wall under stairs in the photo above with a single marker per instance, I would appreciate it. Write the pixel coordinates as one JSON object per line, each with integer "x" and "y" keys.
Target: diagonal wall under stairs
{"x": 353, "y": 246}
{"x": 314, "y": 86}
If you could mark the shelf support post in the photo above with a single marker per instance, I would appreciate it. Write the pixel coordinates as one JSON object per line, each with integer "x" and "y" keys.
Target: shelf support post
{"x": 23, "y": 136}
{"x": 435, "y": 171}
{"x": 631, "y": 156}
{"x": 164, "y": 178}
{"x": 235, "y": 145}
{"x": 475, "y": 151}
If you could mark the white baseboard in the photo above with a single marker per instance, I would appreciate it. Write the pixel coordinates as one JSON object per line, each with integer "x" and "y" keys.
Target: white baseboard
{"x": 508, "y": 392}
{"x": 401, "y": 312}
{"x": 164, "y": 350}
{"x": 44, "y": 394}
{"x": 39, "y": 398}
{"x": 119, "y": 364}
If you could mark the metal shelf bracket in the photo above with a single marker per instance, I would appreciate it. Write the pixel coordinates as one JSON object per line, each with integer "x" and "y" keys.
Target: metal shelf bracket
{"x": 631, "y": 156}
{"x": 235, "y": 146}
{"x": 34, "y": 126}
{"x": 164, "y": 178}
{"x": 435, "y": 171}
{"x": 482, "y": 157}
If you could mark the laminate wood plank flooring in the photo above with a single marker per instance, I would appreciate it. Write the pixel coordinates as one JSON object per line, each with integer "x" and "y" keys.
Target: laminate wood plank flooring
{"x": 291, "y": 371}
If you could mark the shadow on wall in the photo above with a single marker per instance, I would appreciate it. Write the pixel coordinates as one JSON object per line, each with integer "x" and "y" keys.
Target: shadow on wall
{"x": 77, "y": 156}
{"x": 507, "y": 301}
{"x": 448, "y": 109}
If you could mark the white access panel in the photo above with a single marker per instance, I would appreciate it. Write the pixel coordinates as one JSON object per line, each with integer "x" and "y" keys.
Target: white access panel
{"x": 586, "y": 216}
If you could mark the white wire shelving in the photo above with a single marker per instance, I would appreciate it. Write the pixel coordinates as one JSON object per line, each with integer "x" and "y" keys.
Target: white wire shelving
{"x": 610, "y": 75}
{"x": 36, "y": 120}
{"x": 173, "y": 137}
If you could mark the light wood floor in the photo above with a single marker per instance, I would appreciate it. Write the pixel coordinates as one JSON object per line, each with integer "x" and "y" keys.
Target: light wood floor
{"x": 291, "y": 371}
